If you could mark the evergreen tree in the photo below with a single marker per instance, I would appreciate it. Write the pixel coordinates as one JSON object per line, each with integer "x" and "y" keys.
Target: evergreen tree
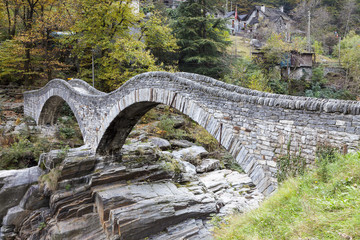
{"x": 202, "y": 39}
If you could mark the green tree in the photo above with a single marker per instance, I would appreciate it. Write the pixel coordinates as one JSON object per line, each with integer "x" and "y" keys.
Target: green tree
{"x": 202, "y": 39}
{"x": 159, "y": 40}
{"x": 247, "y": 74}
{"x": 350, "y": 60}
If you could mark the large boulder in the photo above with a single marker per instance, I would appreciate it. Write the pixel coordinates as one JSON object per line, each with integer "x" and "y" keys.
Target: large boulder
{"x": 161, "y": 143}
{"x": 55, "y": 157}
{"x": 15, "y": 216}
{"x": 208, "y": 165}
{"x": 191, "y": 229}
{"x": 13, "y": 186}
{"x": 181, "y": 143}
{"x": 34, "y": 199}
{"x": 189, "y": 154}
{"x": 187, "y": 158}
{"x": 138, "y": 154}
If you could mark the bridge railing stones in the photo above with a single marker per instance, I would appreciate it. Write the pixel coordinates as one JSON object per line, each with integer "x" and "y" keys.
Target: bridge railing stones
{"x": 84, "y": 85}
{"x": 254, "y": 127}
{"x": 283, "y": 101}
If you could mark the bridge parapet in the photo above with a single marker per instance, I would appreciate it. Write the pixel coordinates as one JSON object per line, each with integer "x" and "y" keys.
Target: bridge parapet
{"x": 255, "y": 127}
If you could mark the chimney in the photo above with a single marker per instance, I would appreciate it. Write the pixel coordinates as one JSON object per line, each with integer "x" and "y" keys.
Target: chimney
{"x": 281, "y": 8}
{"x": 263, "y": 8}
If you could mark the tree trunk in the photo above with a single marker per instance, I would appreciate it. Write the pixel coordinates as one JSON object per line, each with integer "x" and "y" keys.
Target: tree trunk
{"x": 16, "y": 13}
{"x": 28, "y": 18}
{"x": 27, "y": 77}
{"x": 8, "y": 16}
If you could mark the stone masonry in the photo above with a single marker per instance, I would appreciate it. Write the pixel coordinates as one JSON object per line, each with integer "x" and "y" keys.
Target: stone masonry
{"x": 255, "y": 127}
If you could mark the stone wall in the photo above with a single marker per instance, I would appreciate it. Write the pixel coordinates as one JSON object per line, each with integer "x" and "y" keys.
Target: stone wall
{"x": 255, "y": 127}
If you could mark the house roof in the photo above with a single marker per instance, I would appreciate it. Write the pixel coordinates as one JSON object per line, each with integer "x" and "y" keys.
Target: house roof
{"x": 254, "y": 21}
{"x": 232, "y": 13}
{"x": 242, "y": 16}
{"x": 272, "y": 13}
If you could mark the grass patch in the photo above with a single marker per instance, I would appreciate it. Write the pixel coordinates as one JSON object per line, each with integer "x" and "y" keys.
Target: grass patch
{"x": 306, "y": 207}
{"x": 241, "y": 45}
{"x": 50, "y": 180}
{"x": 202, "y": 137}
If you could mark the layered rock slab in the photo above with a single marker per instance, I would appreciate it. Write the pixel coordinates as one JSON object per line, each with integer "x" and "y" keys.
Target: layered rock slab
{"x": 139, "y": 210}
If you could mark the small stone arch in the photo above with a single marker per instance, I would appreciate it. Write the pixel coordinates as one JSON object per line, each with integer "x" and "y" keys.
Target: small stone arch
{"x": 49, "y": 112}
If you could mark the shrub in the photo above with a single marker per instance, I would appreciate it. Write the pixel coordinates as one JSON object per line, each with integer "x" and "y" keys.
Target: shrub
{"x": 63, "y": 152}
{"x": 66, "y": 132}
{"x": 324, "y": 156}
{"x": 23, "y": 153}
{"x": 290, "y": 165}
{"x": 18, "y": 152}
{"x": 166, "y": 129}
{"x": 170, "y": 164}
{"x": 149, "y": 117}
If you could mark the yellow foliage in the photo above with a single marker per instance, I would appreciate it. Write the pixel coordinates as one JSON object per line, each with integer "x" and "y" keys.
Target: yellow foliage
{"x": 18, "y": 121}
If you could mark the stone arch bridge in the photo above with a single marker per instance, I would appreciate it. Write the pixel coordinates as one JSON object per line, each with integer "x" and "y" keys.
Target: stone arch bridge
{"x": 255, "y": 127}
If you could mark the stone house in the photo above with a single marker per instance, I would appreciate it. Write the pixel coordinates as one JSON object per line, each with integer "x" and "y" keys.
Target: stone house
{"x": 294, "y": 64}
{"x": 235, "y": 22}
{"x": 267, "y": 17}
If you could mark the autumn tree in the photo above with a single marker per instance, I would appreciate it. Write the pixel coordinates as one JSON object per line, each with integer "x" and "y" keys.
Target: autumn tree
{"x": 321, "y": 21}
{"x": 30, "y": 23}
{"x": 11, "y": 58}
{"x": 120, "y": 40}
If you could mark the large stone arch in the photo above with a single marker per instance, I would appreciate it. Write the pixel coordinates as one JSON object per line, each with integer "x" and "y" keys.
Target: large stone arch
{"x": 116, "y": 133}
{"x": 130, "y": 108}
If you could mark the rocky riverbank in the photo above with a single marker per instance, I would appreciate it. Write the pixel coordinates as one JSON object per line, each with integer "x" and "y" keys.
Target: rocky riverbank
{"x": 155, "y": 188}
{"x": 151, "y": 190}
